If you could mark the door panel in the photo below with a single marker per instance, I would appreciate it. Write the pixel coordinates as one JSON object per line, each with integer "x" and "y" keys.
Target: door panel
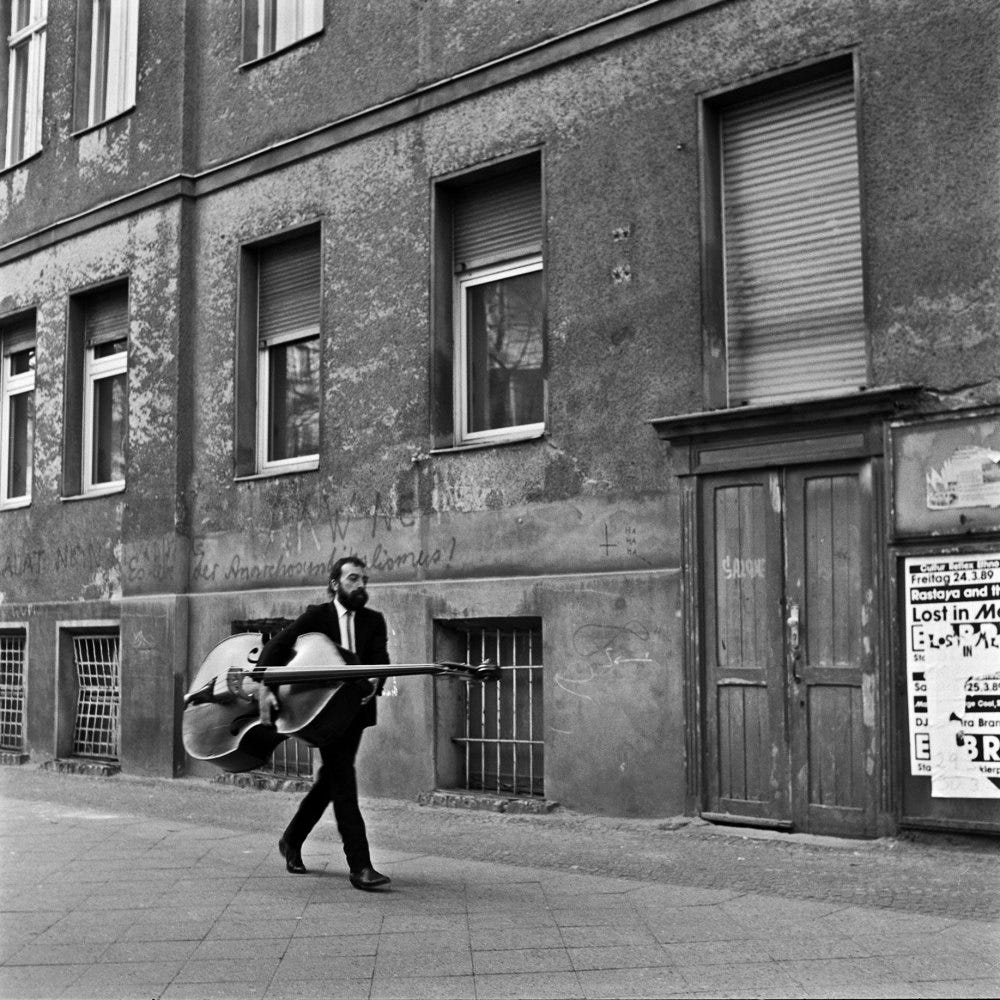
{"x": 789, "y": 661}
{"x": 744, "y": 742}
{"x": 836, "y": 772}
{"x": 828, "y": 531}
{"x": 744, "y": 713}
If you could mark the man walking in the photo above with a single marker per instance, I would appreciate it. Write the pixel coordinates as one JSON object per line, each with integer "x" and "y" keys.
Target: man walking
{"x": 347, "y": 622}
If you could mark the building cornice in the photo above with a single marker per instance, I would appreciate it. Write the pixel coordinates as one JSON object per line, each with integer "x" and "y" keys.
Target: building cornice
{"x": 610, "y": 30}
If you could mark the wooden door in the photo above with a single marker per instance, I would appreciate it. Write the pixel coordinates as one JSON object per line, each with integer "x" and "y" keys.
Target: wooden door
{"x": 830, "y": 545}
{"x": 744, "y": 694}
{"x": 788, "y": 694}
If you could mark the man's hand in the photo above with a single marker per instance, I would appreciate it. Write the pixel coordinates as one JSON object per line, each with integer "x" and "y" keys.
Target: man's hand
{"x": 267, "y": 703}
{"x": 374, "y": 691}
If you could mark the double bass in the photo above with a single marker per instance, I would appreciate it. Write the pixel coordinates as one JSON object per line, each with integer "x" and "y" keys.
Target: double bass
{"x": 317, "y": 697}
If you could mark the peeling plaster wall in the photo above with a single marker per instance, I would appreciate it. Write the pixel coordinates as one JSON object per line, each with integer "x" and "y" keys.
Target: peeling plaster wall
{"x": 86, "y": 549}
{"x": 931, "y": 133}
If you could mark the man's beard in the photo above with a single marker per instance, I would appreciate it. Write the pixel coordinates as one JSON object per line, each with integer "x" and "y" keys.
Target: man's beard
{"x": 353, "y": 602}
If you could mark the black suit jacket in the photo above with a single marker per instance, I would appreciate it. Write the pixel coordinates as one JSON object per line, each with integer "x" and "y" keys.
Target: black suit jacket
{"x": 370, "y": 641}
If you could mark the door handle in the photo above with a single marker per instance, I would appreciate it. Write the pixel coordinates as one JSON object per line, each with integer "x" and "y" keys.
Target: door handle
{"x": 793, "y": 640}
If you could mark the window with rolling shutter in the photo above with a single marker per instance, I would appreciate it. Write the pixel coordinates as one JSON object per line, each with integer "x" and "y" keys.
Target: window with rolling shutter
{"x": 494, "y": 239}
{"x": 285, "y": 315}
{"x": 794, "y": 302}
{"x": 105, "y": 389}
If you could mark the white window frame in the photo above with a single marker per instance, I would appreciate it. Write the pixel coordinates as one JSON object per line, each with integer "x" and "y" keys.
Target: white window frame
{"x": 298, "y": 19}
{"x": 120, "y": 60}
{"x": 95, "y": 370}
{"x": 463, "y": 282}
{"x": 10, "y": 386}
{"x": 26, "y": 43}
{"x": 300, "y": 463}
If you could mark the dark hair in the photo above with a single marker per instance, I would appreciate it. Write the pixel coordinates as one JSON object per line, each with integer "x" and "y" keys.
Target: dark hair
{"x": 338, "y": 566}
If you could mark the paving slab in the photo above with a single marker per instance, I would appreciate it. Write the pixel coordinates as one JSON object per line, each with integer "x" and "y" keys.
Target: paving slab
{"x": 166, "y": 896}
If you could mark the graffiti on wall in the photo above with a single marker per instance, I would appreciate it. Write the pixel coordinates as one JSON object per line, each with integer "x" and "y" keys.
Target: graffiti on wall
{"x": 150, "y": 561}
{"x": 626, "y": 541}
{"x": 294, "y": 545}
{"x": 603, "y": 651}
{"x": 18, "y": 562}
{"x": 372, "y": 535}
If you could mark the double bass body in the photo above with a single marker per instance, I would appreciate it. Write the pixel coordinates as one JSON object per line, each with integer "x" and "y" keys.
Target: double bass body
{"x": 229, "y": 733}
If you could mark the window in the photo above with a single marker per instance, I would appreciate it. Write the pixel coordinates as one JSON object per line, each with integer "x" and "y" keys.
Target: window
{"x": 107, "y": 41}
{"x": 17, "y": 417}
{"x": 97, "y": 726}
{"x": 12, "y": 646}
{"x": 490, "y": 736}
{"x": 489, "y": 240}
{"x": 270, "y": 25}
{"x": 280, "y": 330}
{"x": 788, "y": 289}
{"x": 25, "y": 78}
{"x": 97, "y": 392}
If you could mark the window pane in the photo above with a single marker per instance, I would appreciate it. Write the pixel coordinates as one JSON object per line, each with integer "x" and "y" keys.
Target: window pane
{"x": 504, "y": 323}
{"x": 110, "y": 347}
{"x": 19, "y": 102}
{"x": 22, "y": 14}
{"x": 113, "y": 31}
{"x": 293, "y": 400}
{"x": 21, "y": 438}
{"x": 100, "y": 28}
{"x": 22, "y": 362}
{"x": 109, "y": 429}
{"x": 282, "y": 22}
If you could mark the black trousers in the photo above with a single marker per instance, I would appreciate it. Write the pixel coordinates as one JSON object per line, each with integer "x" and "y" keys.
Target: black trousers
{"x": 336, "y": 784}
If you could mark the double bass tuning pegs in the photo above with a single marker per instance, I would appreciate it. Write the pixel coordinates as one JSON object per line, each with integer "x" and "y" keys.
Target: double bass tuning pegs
{"x": 486, "y": 671}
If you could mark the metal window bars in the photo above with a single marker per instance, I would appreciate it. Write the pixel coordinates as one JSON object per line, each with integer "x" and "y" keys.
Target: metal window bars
{"x": 98, "y": 717}
{"x": 12, "y": 691}
{"x": 503, "y": 745}
{"x": 291, "y": 759}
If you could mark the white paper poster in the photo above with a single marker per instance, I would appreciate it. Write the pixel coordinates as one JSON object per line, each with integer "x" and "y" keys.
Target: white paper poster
{"x": 952, "y": 612}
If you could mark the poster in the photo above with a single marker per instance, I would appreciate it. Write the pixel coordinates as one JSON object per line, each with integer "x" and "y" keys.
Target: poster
{"x": 946, "y": 474}
{"x": 952, "y": 625}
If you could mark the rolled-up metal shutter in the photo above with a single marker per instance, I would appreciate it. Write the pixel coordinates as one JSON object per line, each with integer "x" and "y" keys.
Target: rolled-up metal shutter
{"x": 289, "y": 288}
{"x": 795, "y": 324}
{"x": 17, "y": 335}
{"x": 498, "y": 219}
{"x": 106, "y": 317}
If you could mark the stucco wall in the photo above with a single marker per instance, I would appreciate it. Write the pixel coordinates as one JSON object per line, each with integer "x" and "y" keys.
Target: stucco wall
{"x": 612, "y": 681}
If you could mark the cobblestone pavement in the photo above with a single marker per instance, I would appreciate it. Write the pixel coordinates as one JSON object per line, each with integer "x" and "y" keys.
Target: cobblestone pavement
{"x": 146, "y": 888}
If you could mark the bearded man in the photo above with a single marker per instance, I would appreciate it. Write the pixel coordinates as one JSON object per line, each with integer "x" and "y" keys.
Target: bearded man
{"x": 347, "y": 622}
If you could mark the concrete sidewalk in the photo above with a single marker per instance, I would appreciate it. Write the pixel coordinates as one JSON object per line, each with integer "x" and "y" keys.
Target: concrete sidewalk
{"x": 108, "y": 902}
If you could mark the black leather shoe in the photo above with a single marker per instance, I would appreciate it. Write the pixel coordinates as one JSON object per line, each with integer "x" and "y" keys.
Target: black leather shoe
{"x": 292, "y": 856}
{"x": 368, "y": 878}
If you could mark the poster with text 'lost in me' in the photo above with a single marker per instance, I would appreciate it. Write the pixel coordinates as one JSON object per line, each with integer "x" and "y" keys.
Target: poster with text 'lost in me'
{"x": 952, "y": 612}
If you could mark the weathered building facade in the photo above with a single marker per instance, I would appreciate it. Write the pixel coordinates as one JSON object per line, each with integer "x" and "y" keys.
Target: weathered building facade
{"x": 615, "y": 337}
